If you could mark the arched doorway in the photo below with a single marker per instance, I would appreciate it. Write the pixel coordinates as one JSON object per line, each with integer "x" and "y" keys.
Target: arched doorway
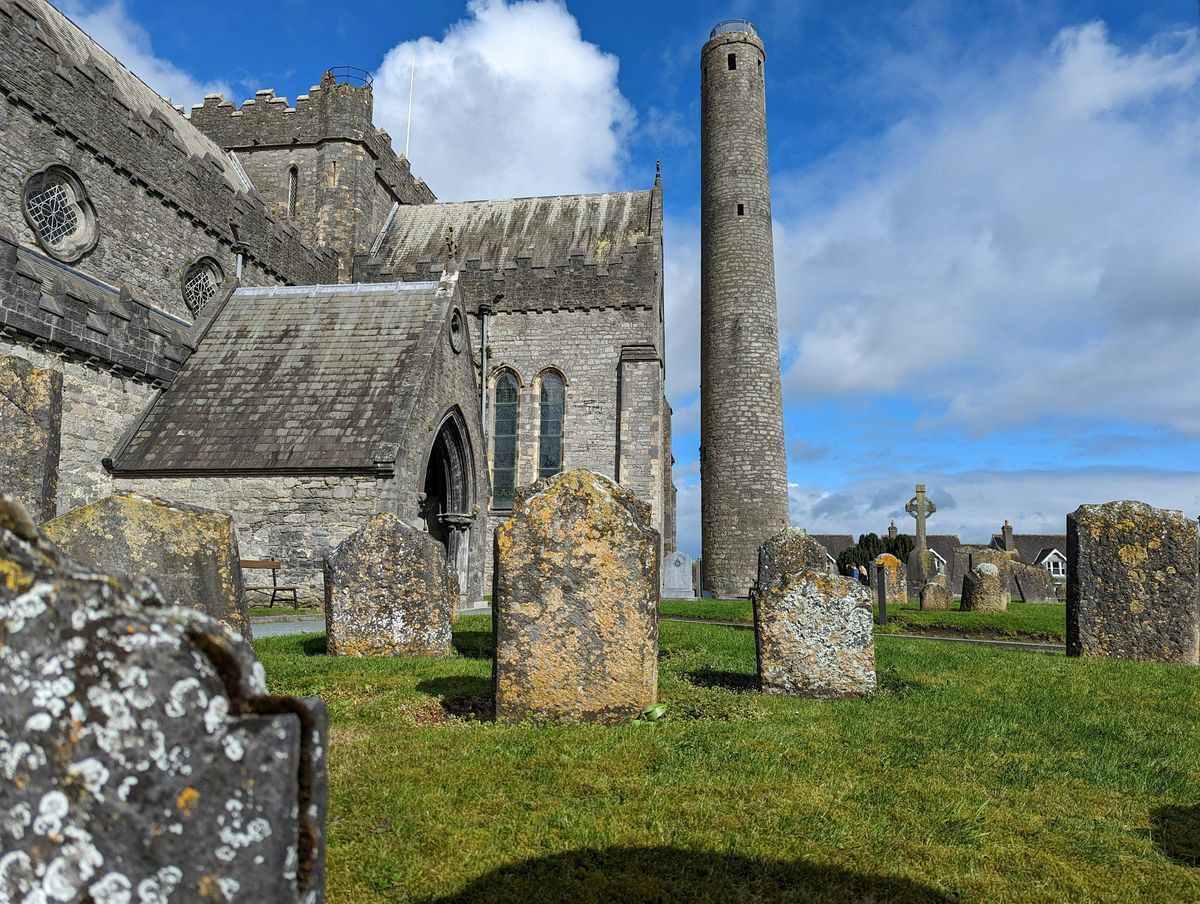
{"x": 448, "y": 493}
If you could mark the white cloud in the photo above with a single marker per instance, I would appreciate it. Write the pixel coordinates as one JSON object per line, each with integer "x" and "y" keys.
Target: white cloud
{"x": 510, "y": 102}
{"x": 111, "y": 27}
{"x": 681, "y": 291}
{"x": 1028, "y": 251}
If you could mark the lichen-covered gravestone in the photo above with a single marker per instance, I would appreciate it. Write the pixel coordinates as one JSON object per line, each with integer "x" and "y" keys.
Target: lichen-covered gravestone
{"x": 388, "y": 593}
{"x": 895, "y": 582}
{"x": 141, "y": 758}
{"x": 984, "y": 590}
{"x": 1003, "y": 561}
{"x": 812, "y": 629}
{"x": 576, "y": 603}
{"x": 935, "y": 597}
{"x": 30, "y": 420}
{"x": 191, "y": 552}
{"x": 922, "y": 568}
{"x": 1034, "y": 583}
{"x": 1132, "y": 583}
{"x": 677, "y": 577}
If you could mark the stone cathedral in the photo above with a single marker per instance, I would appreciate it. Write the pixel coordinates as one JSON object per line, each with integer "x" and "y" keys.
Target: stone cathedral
{"x": 260, "y": 310}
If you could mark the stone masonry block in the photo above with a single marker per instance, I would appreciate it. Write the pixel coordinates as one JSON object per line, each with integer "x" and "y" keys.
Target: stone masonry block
{"x": 30, "y": 424}
{"x": 144, "y": 759}
{"x": 1132, "y": 583}
{"x": 575, "y": 598}
{"x": 388, "y": 593}
{"x": 191, "y": 552}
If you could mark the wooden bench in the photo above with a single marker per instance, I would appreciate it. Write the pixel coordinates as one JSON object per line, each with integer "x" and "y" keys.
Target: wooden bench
{"x": 277, "y": 590}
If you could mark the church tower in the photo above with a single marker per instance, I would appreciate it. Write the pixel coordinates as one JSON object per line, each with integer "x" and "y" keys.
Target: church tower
{"x": 743, "y": 464}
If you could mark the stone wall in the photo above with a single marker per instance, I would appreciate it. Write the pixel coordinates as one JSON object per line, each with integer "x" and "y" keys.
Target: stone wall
{"x": 97, "y": 408}
{"x": 742, "y": 458}
{"x": 30, "y": 420}
{"x": 163, "y": 195}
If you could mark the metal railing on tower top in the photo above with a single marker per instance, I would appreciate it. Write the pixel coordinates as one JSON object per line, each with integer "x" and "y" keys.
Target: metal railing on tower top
{"x": 728, "y": 26}
{"x": 349, "y": 75}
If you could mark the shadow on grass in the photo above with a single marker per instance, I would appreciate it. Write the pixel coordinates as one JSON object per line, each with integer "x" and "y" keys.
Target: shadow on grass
{"x": 642, "y": 875}
{"x": 1176, "y": 832}
{"x": 733, "y": 681}
{"x": 462, "y": 696}
{"x": 473, "y": 644}
{"x": 314, "y": 646}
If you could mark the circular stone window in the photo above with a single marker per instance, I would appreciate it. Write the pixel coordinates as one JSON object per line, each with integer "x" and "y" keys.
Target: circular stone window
{"x": 200, "y": 284}
{"x": 457, "y": 331}
{"x": 57, "y": 209}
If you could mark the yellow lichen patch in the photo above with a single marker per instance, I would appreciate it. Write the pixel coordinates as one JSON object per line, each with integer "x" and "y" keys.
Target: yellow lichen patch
{"x": 15, "y": 579}
{"x": 186, "y": 801}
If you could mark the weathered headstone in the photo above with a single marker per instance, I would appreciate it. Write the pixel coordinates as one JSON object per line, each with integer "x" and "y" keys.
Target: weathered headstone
{"x": 813, "y": 635}
{"x": 935, "y": 597}
{"x": 1132, "y": 579}
{"x": 677, "y": 577}
{"x": 790, "y": 551}
{"x": 30, "y": 421}
{"x": 920, "y": 507}
{"x": 890, "y": 575}
{"x": 144, "y": 759}
{"x": 388, "y": 592}
{"x": 191, "y": 552}
{"x": 922, "y": 568}
{"x": 984, "y": 590}
{"x": 1034, "y": 584}
{"x": 576, "y": 603}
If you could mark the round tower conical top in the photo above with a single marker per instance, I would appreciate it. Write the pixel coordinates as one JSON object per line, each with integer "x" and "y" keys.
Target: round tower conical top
{"x": 729, "y": 26}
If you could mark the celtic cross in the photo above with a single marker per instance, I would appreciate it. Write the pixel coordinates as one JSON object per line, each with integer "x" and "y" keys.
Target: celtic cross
{"x": 920, "y": 508}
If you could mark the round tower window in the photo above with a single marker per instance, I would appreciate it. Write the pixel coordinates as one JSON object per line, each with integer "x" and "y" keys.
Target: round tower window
{"x": 200, "y": 284}
{"x": 57, "y": 209}
{"x": 457, "y": 331}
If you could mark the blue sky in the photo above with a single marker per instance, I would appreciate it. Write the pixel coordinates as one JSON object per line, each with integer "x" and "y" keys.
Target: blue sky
{"x": 987, "y": 214}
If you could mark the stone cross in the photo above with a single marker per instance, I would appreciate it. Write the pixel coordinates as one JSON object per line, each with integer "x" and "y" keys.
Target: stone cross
{"x": 920, "y": 508}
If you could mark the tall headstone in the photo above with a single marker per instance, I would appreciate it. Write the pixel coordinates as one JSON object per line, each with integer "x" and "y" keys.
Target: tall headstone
{"x": 191, "y": 552}
{"x": 576, "y": 603}
{"x": 1132, "y": 580}
{"x": 812, "y": 629}
{"x": 388, "y": 592}
{"x": 743, "y": 463}
{"x": 984, "y": 590}
{"x": 922, "y": 567}
{"x": 144, "y": 758}
{"x": 677, "y": 577}
{"x": 890, "y": 578}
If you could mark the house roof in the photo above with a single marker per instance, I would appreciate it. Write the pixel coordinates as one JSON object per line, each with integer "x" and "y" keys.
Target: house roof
{"x": 834, "y": 543}
{"x": 1029, "y": 546}
{"x": 1047, "y": 553}
{"x": 549, "y": 231}
{"x": 294, "y": 379}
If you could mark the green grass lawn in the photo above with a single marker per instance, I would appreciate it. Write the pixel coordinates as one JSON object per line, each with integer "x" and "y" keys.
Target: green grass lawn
{"x": 281, "y": 609}
{"x": 974, "y": 774}
{"x": 1023, "y": 621}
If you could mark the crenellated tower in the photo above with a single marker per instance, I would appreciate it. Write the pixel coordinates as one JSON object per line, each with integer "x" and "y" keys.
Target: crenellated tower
{"x": 743, "y": 464}
{"x": 321, "y": 165}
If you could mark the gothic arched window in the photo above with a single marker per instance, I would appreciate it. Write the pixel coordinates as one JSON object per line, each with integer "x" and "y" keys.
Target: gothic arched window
{"x": 550, "y": 447}
{"x": 504, "y": 441}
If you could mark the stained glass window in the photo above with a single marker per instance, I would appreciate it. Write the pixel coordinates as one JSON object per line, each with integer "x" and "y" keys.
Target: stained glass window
{"x": 504, "y": 442}
{"x": 52, "y": 210}
{"x": 551, "y": 435}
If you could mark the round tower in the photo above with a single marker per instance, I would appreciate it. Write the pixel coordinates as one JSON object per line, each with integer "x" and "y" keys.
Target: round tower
{"x": 743, "y": 464}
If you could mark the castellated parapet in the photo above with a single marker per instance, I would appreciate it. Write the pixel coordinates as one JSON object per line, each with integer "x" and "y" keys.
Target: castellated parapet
{"x": 322, "y": 164}
{"x": 743, "y": 459}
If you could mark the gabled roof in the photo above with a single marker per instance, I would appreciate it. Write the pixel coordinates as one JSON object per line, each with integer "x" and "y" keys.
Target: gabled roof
{"x": 1048, "y": 553}
{"x": 834, "y": 543}
{"x": 295, "y": 379}
{"x": 548, "y": 231}
{"x": 1029, "y": 546}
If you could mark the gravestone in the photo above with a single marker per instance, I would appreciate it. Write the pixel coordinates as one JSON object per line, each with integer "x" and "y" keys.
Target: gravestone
{"x": 790, "y": 551}
{"x": 813, "y": 635}
{"x": 1003, "y": 561}
{"x": 984, "y": 590}
{"x": 146, "y": 761}
{"x": 677, "y": 577}
{"x": 1132, "y": 583}
{"x": 890, "y": 579}
{"x": 576, "y": 603}
{"x": 1034, "y": 583}
{"x": 935, "y": 597}
{"x": 30, "y": 422}
{"x": 922, "y": 568}
{"x": 191, "y": 552}
{"x": 388, "y": 592}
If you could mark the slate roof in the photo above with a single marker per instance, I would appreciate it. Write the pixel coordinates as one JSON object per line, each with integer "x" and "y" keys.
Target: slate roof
{"x": 1030, "y": 546}
{"x": 834, "y": 543}
{"x": 76, "y": 47}
{"x": 547, "y": 230}
{"x": 295, "y": 378}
